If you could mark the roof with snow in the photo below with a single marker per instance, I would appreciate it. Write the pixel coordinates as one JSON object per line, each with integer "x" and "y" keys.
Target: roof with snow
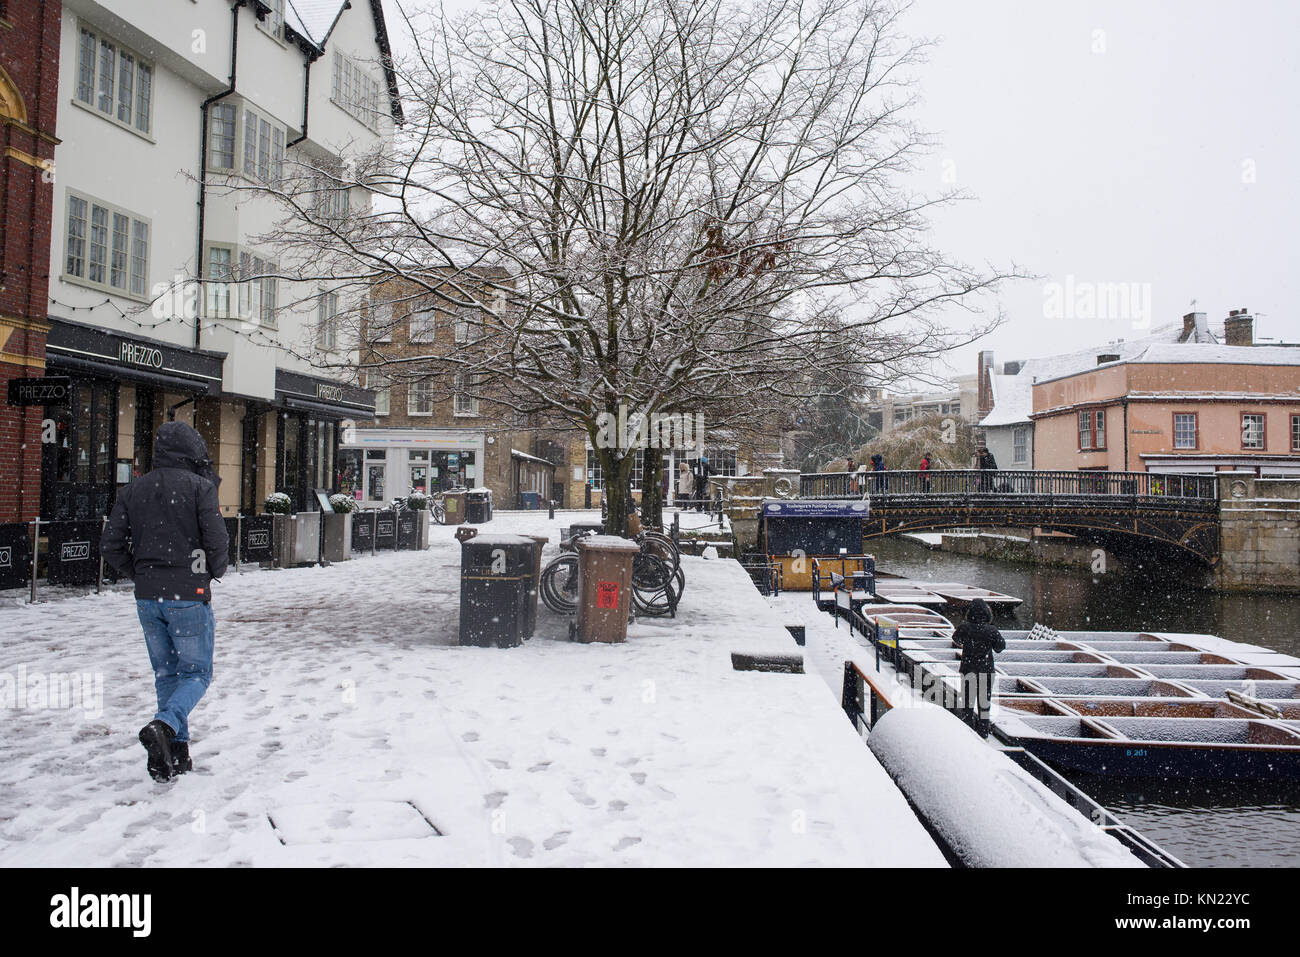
{"x": 1013, "y": 394}
{"x": 313, "y": 21}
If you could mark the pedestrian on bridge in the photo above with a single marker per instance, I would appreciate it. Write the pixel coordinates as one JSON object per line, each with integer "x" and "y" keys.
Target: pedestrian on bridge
{"x": 925, "y": 472}
{"x": 987, "y": 463}
{"x": 978, "y": 639}
{"x": 878, "y": 466}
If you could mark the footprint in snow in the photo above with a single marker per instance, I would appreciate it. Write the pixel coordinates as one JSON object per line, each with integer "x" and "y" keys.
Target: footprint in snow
{"x": 617, "y": 806}
{"x": 494, "y": 800}
{"x": 469, "y": 736}
{"x": 499, "y": 763}
{"x": 540, "y": 766}
{"x": 626, "y": 842}
{"x": 558, "y": 839}
{"x": 638, "y": 777}
{"x": 521, "y": 846}
{"x": 582, "y": 797}
{"x": 598, "y": 752}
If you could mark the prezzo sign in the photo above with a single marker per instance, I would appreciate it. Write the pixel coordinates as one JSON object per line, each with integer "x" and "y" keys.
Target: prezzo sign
{"x": 133, "y": 353}
{"x": 50, "y": 390}
{"x": 74, "y": 551}
{"x": 6, "y": 556}
{"x": 330, "y": 393}
{"x": 258, "y": 538}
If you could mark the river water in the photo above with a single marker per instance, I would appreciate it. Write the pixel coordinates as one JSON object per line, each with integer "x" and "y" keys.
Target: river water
{"x": 1205, "y": 825}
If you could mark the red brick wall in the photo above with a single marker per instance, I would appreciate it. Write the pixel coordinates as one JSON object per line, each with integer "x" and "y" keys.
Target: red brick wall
{"x": 29, "y": 57}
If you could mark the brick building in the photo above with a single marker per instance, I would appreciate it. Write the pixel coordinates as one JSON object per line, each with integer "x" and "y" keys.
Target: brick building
{"x": 29, "y": 69}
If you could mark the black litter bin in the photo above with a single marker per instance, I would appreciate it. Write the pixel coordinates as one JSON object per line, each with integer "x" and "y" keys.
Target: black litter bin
{"x": 496, "y": 573}
{"x": 478, "y": 506}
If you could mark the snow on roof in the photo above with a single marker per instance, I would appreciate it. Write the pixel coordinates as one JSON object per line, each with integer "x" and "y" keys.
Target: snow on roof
{"x": 1221, "y": 355}
{"x": 1012, "y": 395}
{"x": 1013, "y": 400}
{"x": 516, "y": 454}
{"x": 314, "y": 18}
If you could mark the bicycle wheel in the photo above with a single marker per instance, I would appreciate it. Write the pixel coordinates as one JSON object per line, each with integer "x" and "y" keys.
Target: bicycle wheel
{"x": 559, "y": 584}
{"x": 652, "y": 582}
{"x": 661, "y": 547}
{"x": 439, "y": 513}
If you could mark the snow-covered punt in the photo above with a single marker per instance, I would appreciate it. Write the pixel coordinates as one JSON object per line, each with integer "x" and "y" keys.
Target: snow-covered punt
{"x": 1135, "y": 704}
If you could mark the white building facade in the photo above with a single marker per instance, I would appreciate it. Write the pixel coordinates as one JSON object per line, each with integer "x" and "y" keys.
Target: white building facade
{"x": 173, "y": 118}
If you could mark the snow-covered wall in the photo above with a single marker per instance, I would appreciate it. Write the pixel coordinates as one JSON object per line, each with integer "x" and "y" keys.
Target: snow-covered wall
{"x": 990, "y": 811}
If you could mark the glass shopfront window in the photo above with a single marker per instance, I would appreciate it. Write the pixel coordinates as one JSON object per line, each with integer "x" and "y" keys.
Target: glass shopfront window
{"x": 418, "y": 463}
{"x": 305, "y": 461}
{"x": 77, "y": 468}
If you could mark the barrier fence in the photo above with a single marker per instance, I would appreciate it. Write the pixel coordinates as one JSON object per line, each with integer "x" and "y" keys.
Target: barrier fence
{"x": 67, "y": 552}
{"x": 1009, "y": 483}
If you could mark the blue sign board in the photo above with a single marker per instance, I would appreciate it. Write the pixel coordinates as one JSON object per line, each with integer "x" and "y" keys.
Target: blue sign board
{"x": 834, "y": 508}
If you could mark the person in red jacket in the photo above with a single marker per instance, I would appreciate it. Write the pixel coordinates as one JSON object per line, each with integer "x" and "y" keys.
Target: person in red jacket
{"x": 925, "y": 472}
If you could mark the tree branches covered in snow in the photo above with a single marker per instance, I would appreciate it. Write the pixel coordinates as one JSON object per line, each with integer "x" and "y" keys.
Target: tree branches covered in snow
{"x": 665, "y": 205}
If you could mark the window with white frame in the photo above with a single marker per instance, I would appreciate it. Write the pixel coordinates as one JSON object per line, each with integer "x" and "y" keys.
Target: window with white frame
{"x": 258, "y": 288}
{"x": 222, "y": 294}
{"x": 596, "y": 477}
{"x": 423, "y": 324}
{"x": 327, "y": 320}
{"x": 263, "y": 148}
{"x": 465, "y": 402}
{"x": 1185, "y": 430}
{"x": 380, "y": 328}
{"x": 1295, "y": 433}
{"x": 222, "y": 120}
{"x": 419, "y": 398}
{"x": 722, "y": 461}
{"x": 1020, "y": 444}
{"x": 1252, "y": 430}
{"x": 382, "y": 386}
{"x": 114, "y": 80}
{"x": 107, "y": 247}
{"x": 355, "y": 90}
{"x": 273, "y": 23}
{"x": 462, "y": 330}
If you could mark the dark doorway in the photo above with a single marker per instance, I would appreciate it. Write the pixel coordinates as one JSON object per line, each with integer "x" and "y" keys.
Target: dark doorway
{"x": 77, "y": 467}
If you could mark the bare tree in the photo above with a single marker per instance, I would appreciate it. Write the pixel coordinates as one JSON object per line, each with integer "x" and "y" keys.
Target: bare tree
{"x": 671, "y": 206}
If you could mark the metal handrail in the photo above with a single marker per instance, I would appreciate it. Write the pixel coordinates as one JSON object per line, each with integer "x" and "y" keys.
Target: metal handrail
{"x": 1009, "y": 483}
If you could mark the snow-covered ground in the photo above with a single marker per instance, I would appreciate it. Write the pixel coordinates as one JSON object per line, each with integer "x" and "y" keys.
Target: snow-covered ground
{"x": 345, "y": 724}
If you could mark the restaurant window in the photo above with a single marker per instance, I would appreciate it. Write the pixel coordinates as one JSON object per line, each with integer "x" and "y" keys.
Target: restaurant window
{"x": 78, "y": 465}
{"x": 1252, "y": 430}
{"x": 1185, "y": 430}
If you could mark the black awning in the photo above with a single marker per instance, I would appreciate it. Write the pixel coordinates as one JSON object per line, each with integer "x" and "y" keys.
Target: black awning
{"x": 296, "y": 390}
{"x": 112, "y": 355}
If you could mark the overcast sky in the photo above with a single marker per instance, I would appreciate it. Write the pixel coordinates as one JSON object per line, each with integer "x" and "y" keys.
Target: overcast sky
{"x": 1141, "y": 142}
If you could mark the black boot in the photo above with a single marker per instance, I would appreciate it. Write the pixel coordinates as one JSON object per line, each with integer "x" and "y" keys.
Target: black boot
{"x": 156, "y": 737}
{"x": 181, "y": 757}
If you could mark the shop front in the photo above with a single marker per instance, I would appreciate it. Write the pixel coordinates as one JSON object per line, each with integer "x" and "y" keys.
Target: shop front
{"x": 123, "y": 388}
{"x": 378, "y": 465}
{"x": 312, "y": 415}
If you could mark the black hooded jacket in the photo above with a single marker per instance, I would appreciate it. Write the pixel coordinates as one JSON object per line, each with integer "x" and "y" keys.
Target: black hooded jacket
{"x": 166, "y": 530}
{"x": 978, "y": 639}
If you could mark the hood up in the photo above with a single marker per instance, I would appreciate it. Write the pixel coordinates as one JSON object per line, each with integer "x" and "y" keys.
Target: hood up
{"x": 179, "y": 446}
{"x": 979, "y": 612}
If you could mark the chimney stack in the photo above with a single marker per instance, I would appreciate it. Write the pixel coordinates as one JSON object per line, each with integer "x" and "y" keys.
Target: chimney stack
{"x": 1195, "y": 328}
{"x": 985, "y": 383}
{"x": 1239, "y": 328}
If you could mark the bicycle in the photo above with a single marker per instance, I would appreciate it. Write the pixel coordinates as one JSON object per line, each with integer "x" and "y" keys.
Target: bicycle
{"x": 657, "y": 577}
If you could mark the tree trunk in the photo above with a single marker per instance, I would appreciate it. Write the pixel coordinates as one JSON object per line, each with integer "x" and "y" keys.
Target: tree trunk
{"x": 652, "y": 492}
{"x": 618, "y": 489}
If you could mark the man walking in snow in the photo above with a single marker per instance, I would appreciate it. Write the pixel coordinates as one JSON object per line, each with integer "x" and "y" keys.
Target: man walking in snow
{"x": 166, "y": 533}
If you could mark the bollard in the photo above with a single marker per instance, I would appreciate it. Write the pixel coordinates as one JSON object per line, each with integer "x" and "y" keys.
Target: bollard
{"x": 99, "y": 579}
{"x": 36, "y": 551}
{"x": 239, "y": 542}
{"x": 677, "y": 529}
{"x": 552, "y": 510}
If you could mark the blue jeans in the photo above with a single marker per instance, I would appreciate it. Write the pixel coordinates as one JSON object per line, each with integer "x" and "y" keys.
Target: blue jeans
{"x": 180, "y": 636}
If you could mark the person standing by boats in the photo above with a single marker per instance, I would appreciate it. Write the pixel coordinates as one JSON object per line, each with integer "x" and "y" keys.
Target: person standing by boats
{"x": 978, "y": 639}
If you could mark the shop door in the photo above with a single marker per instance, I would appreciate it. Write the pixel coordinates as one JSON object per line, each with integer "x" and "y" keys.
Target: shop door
{"x": 77, "y": 468}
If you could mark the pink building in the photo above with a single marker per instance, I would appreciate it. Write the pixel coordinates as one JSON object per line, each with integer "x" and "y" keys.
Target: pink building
{"x": 1175, "y": 407}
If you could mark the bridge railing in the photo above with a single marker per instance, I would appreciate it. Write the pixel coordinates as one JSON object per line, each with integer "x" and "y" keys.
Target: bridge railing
{"x": 1009, "y": 483}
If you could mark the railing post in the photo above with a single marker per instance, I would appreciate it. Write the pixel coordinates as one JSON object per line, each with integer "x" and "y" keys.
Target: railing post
{"x": 36, "y": 552}
{"x": 239, "y": 542}
{"x": 99, "y": 577}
